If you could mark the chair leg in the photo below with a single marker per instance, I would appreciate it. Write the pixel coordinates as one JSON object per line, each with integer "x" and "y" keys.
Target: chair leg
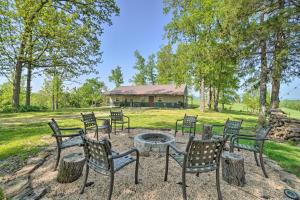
{"x": 184, "y": 185}
{"x": 218, "y": 183}
{"x": 262, "y": 164}
{"x": 115, "y": 128}
{"x": 128, "y": 126}
{"x": 85, "y": 179}
{"x": 57, "y": 158}
{"x": 182, "y": 130}
{"x": 122, "y": 126}
{"x": 137, "y": 168}
{"x": 194, "y": 130}
{"x": 256, "y": 160}
{"x": 111, "y": 185}
{"x": 167, "y": 167}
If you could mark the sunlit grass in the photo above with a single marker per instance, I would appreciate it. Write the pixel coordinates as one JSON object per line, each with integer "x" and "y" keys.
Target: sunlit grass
{"x": 23, "y": 134}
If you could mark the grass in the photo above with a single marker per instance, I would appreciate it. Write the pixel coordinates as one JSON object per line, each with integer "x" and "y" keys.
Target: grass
{"x": 24, "y": 134}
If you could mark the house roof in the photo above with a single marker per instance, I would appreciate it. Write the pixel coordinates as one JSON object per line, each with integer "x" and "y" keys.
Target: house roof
{"x": 149, "y": 90}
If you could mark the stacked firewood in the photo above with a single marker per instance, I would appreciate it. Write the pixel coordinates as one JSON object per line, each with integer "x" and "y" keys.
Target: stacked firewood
{"x": 284, "y": 127}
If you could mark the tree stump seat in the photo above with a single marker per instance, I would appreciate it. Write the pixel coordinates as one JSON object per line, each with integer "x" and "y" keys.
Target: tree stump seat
{"x": 233, "y": 171}
{"x": 70, "y": 168}
{"x": 207, "y": 132}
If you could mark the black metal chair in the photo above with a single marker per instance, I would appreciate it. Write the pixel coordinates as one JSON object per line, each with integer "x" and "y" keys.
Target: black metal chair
{"x": 200, "y": 156}
{"x": 71, "y": 141}
{"x": 103, "y": 160}
{"x": 256, "y": 147}
{"x": 117, "y": 117}
{"x": 231, "y": 127}
{"x": 189, "y": 122}
{"x": 90, "y": 122}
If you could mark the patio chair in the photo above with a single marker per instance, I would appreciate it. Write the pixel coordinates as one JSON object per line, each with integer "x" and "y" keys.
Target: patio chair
{"x": 189, "y": 122}
{"x": 200, "y": 156}
{"x": 256, "y": 147}
{"x": 117, "y": 117}
{"x": 101, "y": 159}
{"x": 90, "y": 122}
{"x": 70, "y": 141}
{"x": 231, "y": 127}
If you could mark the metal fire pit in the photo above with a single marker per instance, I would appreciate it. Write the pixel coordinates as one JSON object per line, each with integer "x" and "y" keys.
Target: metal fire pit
{"x": 154, "y": 142}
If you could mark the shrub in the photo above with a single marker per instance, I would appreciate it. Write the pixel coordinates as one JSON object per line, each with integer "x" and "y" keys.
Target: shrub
{"x": 23, "y": 108}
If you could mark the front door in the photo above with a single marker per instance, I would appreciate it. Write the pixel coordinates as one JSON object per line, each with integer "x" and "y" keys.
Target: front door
{"x": 151, "y": 101}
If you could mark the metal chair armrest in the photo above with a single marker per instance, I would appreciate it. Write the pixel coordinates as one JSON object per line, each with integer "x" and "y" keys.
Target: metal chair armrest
{"x": 176, "y": 149}
{"x": 125, "y": 153}
{"x": 70, "y": 129}
{"x": 69, "y": 135}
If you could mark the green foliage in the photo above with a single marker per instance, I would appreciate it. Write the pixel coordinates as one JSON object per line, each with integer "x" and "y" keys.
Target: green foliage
{"x": 90, "y": 93}
{"x": 140, "y": 77}
{"x": 22, "y": 108}
{"x": 251, "y": 100}
{"x": 146, "y": 71}
{"x": 165, "y": 65}
{"x": 2, "y": 196}
{"x": 291, "y": 104}
{"x": 116, "y": 76}
{"x": 151, "y": 70}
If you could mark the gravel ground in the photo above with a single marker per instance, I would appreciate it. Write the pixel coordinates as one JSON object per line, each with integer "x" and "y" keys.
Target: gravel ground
{"x": 151, "y": 174}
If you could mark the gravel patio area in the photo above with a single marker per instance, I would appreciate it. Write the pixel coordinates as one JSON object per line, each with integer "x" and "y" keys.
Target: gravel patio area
{"x": 151, "y": 174}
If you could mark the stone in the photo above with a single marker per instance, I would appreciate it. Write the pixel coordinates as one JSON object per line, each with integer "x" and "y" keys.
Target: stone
{"x": 154, "y": 142}
{"x": 290, "y": 179}
{"x": 16, "y": 186}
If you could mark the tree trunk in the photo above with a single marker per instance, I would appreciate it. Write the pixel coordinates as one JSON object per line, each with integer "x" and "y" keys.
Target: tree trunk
{"x": 216, "y": 100}
{"x": 29, "y": 71}
{"x": 278, "y": 62}
{"x": 28, "y": 84}
{"x": 207, "y": 132}
{"x": 70, "y": 168}
{"x": 17, "y": 75}
{"x": 202, "y": 95}
{"x": 233, "y": 171}
{"x": 209, "y": 97}
{"x": 263, "y": 80}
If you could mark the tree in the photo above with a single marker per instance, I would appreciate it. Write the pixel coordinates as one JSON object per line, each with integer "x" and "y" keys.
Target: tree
{"x": 116, "y": 76}
{"x": 205, "y": 47}
{"x": 90, "y": 92}
{"x": 151, "y": 70}
{"x": 165, "y": 65}
{"x": 140, "y": 77}
{"x": 68, "y": 29}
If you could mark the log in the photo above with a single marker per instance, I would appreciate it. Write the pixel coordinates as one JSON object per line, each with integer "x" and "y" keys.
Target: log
{"x": 207, "y": 132}
{"x": 70, "y": 168}
{"x": 106, "y": 123}
{"x": 233, "y": 171}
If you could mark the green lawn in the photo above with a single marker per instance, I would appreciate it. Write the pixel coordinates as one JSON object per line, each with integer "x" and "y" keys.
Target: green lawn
{"x": 23, "y": 134}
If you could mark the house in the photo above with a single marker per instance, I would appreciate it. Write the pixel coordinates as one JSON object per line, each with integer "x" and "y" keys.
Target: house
{"x": 149, "y": 96}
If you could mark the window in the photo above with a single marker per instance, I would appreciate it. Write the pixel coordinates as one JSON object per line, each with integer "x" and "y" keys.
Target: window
{"x": 117, "y": 99}
{"x": 160, "y": 99}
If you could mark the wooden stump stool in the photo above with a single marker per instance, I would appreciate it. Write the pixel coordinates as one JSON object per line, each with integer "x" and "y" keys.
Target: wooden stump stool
{"x": 70, "y": 168}
{"x": 233, "y": 171}
{"x": 207, "y": 132}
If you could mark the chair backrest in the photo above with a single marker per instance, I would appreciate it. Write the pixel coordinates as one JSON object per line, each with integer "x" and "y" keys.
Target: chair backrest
{"x": 56, "y": 131}
{"x": 97, "y": 154}
{"x": 204, "y": 153}
{"x": 262, "y": 133}
{"x": 89, "y": 120}
{"x": 116, "y": 115}
{"x": 189, "y": 120}
{"x": 232, "y": 127}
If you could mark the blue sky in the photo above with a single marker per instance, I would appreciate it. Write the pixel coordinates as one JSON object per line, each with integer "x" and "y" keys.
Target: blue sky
{"x": 140, "y": 26}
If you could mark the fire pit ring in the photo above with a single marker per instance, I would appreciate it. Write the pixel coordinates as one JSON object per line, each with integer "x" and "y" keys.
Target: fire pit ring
{"x": 154, "y": 142}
